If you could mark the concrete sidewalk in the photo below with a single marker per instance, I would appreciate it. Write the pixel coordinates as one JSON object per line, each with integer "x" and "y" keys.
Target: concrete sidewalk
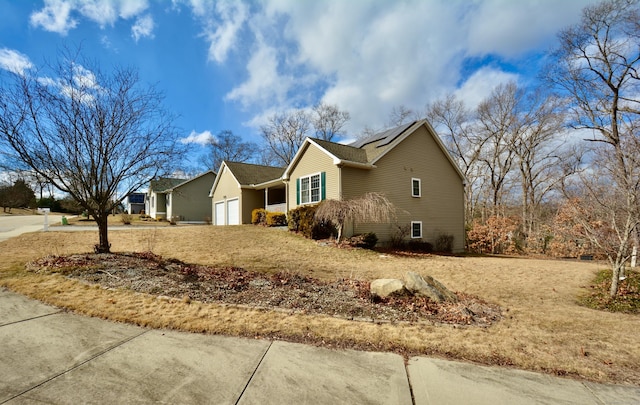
{"x": 50, "y": 356}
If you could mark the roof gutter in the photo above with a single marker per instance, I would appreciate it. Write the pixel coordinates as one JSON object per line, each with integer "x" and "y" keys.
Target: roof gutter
{"x": 273, "y": 182}
{"x": 349, "y": 163}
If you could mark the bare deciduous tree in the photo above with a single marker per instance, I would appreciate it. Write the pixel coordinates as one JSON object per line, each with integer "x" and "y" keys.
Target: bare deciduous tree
{"x": 601, "y": 214}
{"x": 328, "y": 120}
{"x": 285, "y": 132}
{"x": 400, "y": 115}
{"x": 454, "y": 122}
{"x": 498, "y": 126}
{"x": 540, "y": 152}
{"x": 367, "y": 132}
{"x": 230, "y": 147}
{"x": 371, "y": 207}
{"x": 596, "y": 67}
{"x": 92, "y": 135}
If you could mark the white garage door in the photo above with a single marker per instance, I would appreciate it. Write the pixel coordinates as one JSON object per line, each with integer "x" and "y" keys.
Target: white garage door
{"x": 220, "y": 213}
{"x": 233, "y": 212}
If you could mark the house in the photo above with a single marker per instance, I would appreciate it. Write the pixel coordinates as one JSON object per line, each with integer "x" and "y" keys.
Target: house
{"x": 184, "y": 200}
{"x": 135, "y": 203}
{"x": 239, "y": 188}
{"x": 156, "y": 204}
{"x": 409, "y": 164}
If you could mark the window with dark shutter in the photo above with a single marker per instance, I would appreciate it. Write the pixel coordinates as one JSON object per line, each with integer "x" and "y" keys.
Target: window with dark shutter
{"x": 311, "y": 189}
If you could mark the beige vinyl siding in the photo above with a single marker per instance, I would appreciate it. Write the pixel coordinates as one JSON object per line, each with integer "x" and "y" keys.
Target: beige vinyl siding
{"x": 190, "y": 201}
{"x": 315, "y": 161}
{"x": 250, "y": 200}
{"x": 441, "y": 206}
{"x": 226, "y": 189}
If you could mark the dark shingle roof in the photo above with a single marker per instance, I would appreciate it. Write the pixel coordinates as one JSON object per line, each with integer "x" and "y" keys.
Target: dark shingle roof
{"x": 164, "y": 184}
{"x": 343, "y": 152}
{"x": 365, "y": 150}
{"x": 248, "y": 173}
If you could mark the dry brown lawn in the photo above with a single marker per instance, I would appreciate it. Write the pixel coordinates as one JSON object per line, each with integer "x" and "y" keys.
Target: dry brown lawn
{"x": 19, "y": 211}
{"x": 543, "y": 328}
{"x": 136, "y": 220}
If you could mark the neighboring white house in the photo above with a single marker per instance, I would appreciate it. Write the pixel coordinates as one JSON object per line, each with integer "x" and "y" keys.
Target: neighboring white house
{"x": 136, "y": 203}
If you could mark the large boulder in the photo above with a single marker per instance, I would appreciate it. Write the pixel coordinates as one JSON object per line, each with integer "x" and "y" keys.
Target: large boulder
{"x": 388, "y": 287}
{"x": 428, "y": 287}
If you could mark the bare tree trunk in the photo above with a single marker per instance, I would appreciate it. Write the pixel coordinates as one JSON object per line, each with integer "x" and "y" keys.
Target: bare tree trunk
{"x": 103, "y": 246}
{"x": 634, "y": 250}
{"x": 615, "y": 279}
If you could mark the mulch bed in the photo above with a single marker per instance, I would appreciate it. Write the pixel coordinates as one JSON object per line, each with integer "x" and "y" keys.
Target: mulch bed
{"x": 284, "y": 291}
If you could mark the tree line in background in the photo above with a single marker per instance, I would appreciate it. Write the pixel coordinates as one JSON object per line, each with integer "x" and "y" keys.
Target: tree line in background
{"x": 550, "y": 170}
{"x": 16, "y": 195}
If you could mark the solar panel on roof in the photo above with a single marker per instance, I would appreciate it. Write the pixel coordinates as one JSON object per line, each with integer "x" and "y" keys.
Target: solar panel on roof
{"x": 385, "y": 137}
{"x": 136, "y": 198}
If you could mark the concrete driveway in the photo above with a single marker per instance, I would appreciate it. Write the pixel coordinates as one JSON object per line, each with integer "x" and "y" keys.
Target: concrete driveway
{"x": 14, "y": 225}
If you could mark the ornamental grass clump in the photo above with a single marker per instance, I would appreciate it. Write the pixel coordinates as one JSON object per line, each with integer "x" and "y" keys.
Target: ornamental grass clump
{"x": 370, "y": 207}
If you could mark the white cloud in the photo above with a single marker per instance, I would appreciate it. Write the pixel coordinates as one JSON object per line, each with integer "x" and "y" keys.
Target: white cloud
{"x": 84, "y": 78}
{"x": 510, "y": 28}
{"x": 106, "y": 42}
{"x": 107, "y": 12}
{"x": 132, "y": 8}
{"x": 83, "y": 86}
{"x": 199, "y": 7}
{"x": 265, "y": 85}
{"x": 233, "y": 14}
{"x": 142, "y": 28}
{"x": 201, "y": 138}
{"x": 480, "y": 85}
{"x": 14, "y": 61}
{"x": 368, "y": 57}
{"x": 54, "y": 17}
{"x": 221, "y": 23}
{"x": 102, "y": 12}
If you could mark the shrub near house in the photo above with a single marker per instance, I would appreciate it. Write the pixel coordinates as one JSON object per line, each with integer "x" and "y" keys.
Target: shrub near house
{"x": 260, "y": 216}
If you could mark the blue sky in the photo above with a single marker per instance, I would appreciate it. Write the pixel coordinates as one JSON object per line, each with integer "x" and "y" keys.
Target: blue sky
{"x": 231, "y": 64}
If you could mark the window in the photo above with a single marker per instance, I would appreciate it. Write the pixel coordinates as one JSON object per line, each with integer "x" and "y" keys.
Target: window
{"x": 304, "y": 190}
{"x": 416, "y": 189}
{"x": 416, "y": 229}
{"x": 311, "y": 188}
{"x": 152, "y": 202}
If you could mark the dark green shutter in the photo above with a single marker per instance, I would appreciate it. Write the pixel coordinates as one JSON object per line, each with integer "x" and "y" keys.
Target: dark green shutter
{"x": 323, "y": 179}
{"x": 297, "y": 191}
